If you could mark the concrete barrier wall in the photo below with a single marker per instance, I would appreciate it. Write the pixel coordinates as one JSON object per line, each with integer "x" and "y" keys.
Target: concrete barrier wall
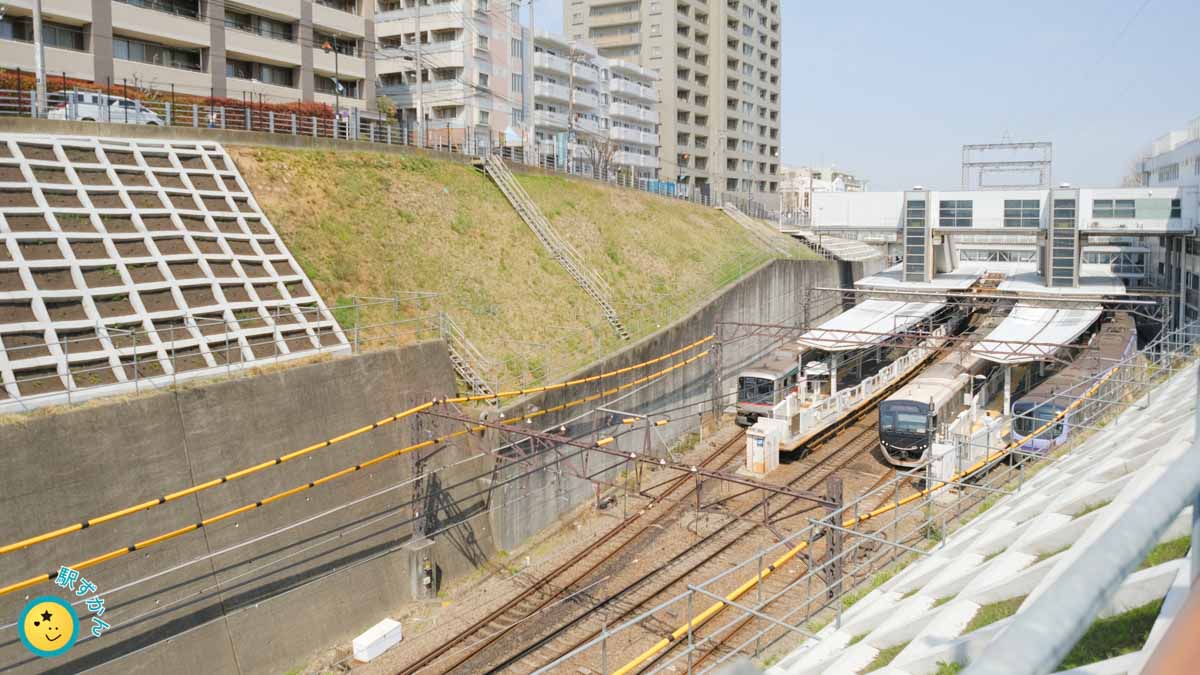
{"x": 267, "y": 606}
{"x": 262, "y": 608}
{"x": 775, "y": 293}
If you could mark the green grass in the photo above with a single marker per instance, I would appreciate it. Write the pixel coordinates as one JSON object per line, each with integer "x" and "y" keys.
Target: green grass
{"x": 993, "y": 554}
{"x": 884, "y": 657}
{"x": 1050, "y": 554}
{"x": 990, "y": 614}
{"x": 856, "y": 639}
{"x": 941, "y": 601}
{"x": 1113, "y": 636}
{"x": 878, "y": 580}
{"x": 371, "y": 224}
{"x": 1091, "y": 507}
{"x": 1168, "y": 550}
{"x": 949, "y": 668}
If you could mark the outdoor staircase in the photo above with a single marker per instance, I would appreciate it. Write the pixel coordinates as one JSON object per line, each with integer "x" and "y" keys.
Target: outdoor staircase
{"x": 559, "y": 249}
{"x": 757, "y": 229}
{"x": 467, "y": 359}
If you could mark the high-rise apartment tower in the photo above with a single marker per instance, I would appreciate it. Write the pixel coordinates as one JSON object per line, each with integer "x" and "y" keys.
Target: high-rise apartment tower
{"x": 718, "y": 61}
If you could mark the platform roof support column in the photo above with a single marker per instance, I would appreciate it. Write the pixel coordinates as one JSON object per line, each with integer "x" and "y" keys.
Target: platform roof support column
{"x": 833, "y": 368}
{"x": 1007, "y": 390}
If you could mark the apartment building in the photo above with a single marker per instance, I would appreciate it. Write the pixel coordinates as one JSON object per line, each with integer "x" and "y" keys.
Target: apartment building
{"x": 279, "y": 50}
{"x": 594, "y": 113}
{"x": 473, "y": 66}
{"x": 719, "y": 87}
{"x": 1174, "y": 160}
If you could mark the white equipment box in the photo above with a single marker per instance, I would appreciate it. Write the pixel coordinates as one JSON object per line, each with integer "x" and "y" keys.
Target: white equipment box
{"x": 377, "y": 640}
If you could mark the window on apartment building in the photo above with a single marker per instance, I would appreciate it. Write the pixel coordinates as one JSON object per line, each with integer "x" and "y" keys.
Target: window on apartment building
{"x": 518, "y": 47}
{"x": 481, "y": 42}
{"x": 1021, "y": 212}
{"x": 342, "y": 45}
{"x": 188, "y": 8}
{"x": 349, "y": 6}
{"x": 262, "y": 72}
{"x": 20, "y": 28}
{"x": 481, "y": 5}
{"x": 129, "y": 49}
{"x": 955, "y": 213}
{"x": 1113, "y": 208}
{"x": 483, "y": 117}
{"x": 518, "y": 116}
{"x": 326, "y": 85}
{"x": 484, "y": 80}
{"x": 259, "y": 25}
{"x": 518, "y": 83}
{"x": 1177, "y": 209}
{"x": 1168, "y": 173}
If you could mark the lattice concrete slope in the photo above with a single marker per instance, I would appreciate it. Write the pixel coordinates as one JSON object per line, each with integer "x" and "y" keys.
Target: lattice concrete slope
{"x": 128, "y": 263}
{"x": 1018, "y": 548}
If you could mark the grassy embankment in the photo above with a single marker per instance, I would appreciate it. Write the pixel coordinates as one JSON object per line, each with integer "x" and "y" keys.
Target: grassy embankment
{"x": 371, "y": 224}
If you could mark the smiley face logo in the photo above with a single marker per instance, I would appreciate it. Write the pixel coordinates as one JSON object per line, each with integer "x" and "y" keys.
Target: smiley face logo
{"x": 48, "y": 626}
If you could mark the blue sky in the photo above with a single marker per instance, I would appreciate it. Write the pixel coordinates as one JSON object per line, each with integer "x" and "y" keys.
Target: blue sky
{"x": 892, "y": 90}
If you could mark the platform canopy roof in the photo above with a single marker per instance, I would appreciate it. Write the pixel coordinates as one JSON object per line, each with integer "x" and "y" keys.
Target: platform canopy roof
{"x": 1031, "y": 333}
{"x": 867, "y": 324}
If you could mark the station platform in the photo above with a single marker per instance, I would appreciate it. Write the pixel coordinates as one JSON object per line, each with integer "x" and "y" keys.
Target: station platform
{"x": 1031, "y": 333}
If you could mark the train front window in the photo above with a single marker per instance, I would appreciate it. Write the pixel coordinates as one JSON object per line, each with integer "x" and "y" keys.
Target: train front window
{"x": 905, "y": 417}
{"x": 755, "y": 390}
{"x": 1028, "y": 420}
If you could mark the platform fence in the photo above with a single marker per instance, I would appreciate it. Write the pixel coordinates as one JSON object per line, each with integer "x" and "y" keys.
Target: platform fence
{"x": 756, "y": 618}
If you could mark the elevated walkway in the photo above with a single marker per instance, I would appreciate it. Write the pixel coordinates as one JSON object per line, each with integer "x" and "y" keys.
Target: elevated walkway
{"x": 559, "y": 249}
{"x": 758, "y": 229}
{"x": 837, "y": 248}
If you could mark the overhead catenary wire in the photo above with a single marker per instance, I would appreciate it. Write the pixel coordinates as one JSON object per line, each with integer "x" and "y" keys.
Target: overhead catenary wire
{"x": 147, "y": 543}
{"x": 715, "y": 608}
{"x": 281, "y": 459}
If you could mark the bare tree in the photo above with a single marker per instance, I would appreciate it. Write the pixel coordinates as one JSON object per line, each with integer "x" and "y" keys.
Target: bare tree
{"x": 600, "y": 152}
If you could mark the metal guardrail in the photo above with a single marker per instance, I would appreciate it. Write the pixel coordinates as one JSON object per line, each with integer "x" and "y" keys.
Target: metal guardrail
{"x": 899, "y": 527}
{"x": 279, "y": 117}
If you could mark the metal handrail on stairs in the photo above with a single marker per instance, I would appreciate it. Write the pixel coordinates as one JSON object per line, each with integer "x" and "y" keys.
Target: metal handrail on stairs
{"x": 559, "y": 248}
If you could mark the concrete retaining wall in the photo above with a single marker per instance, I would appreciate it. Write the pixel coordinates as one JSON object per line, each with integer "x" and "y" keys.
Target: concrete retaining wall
{"x": 245, "y": 610}
{"x": 266, "y": 607}
{"x": 775, "y": 293}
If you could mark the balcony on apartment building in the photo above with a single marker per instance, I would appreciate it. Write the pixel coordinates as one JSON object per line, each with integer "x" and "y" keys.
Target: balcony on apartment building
{"x": 632, "y": 89}
{"x": 625, "y": 158}
{"x": 407, "y": 9}
{"x": 551, "y": 91}
{"x": 632, "y": 112}
{"x": 586, "y": 72}
{"x": 627, "y": 135}
{"x": 588, "y": 126}
{"x": 548, "y": 119}
{"x": 341, "y": 16}
{"x": 587, "y": 100}
{"x": 179, "y": 21}
{"x": 552, "y": 63}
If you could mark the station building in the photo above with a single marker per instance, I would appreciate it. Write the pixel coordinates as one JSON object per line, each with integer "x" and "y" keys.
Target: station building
{"x": 1069, "y": 239}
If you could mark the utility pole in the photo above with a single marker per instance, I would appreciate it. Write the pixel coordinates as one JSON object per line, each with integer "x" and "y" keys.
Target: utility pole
{"x": 420, "y": 84}
{"x": 526, "y": 60}
{"x": 39, "y": 59}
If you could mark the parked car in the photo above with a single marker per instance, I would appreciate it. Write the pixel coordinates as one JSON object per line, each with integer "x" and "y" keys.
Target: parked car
{"x": 88, "y": 106}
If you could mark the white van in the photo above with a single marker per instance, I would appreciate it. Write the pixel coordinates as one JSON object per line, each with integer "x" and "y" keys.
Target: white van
{"x": 87, "y": 106}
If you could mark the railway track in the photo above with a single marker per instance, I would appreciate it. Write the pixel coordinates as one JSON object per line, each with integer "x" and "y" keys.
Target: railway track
{"x": 843, "y": 448}
{"x": 550, "y": 590}
{"x": 479, "y": 648}
{"x": 848, "y": 438}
